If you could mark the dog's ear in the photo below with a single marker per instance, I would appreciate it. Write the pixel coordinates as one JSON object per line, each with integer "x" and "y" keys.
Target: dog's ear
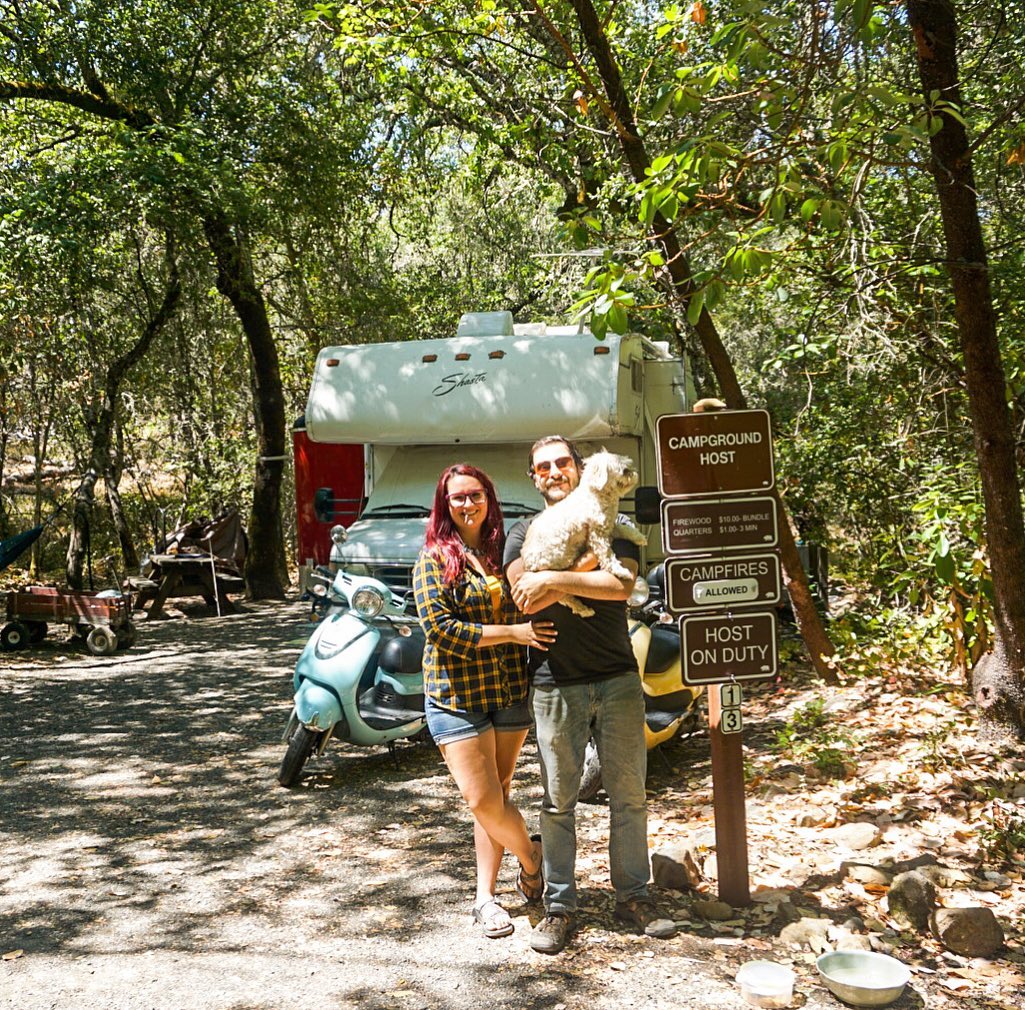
{"x": 597, "y": 469}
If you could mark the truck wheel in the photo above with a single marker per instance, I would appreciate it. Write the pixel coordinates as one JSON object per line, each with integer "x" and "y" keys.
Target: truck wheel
{"x": 590, "y": 780}
{"x": 36, "y": 631}
{"x": 101, "y": 641}
{"x": 299, "y": 749}
{"x": 13, "y": 636}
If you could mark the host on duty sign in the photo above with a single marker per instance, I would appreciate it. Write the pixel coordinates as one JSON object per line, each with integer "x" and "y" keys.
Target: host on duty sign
{"x": 718, "y": 647}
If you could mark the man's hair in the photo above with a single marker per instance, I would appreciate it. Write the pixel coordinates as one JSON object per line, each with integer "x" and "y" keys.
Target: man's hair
{"x": 549, "y": 440}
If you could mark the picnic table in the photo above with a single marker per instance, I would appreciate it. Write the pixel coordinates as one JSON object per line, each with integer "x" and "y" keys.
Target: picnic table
{"x": 174, "y": 576}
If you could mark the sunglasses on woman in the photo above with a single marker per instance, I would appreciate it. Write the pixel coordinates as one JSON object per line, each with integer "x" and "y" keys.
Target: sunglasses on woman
{"x": 544, "y": 468}
{"x": 459, "y": 500}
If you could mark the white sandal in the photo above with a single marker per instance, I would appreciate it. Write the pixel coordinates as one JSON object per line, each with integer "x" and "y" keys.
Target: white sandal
{"x": 494, "y": 920}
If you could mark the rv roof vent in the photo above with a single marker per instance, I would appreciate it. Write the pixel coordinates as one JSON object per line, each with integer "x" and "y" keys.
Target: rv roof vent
{"x": 485, "y": 324}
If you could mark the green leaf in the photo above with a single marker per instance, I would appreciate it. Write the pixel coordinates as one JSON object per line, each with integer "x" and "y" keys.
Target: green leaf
{"x": 646, "y": 214}
{"x": 945, "y": 569}
{"x": 808, "y": 208}
{"x": 658, "y": 110}
{"x": 617, "y": 318}
{"x": 695, "y": 306}
{"x": 831, "y": 214}
{"x": 661, "y": 163}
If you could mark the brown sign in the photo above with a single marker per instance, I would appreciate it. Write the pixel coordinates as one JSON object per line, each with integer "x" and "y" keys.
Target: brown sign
{"x": 717, "y": 582}
{"x": 714, "y": 453}
{"x": 717, "y": 648}
{"x": 696, "y": 527}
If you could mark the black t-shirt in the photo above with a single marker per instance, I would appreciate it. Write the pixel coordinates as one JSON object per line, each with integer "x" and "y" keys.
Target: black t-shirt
{"x": 588, "y": 648}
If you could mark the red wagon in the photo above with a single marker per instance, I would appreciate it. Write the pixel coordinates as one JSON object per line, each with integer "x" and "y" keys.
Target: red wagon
{"x": 103, "y": 621}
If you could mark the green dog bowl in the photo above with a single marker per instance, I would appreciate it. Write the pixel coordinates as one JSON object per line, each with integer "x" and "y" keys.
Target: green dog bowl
{"x": 863, "y": 977}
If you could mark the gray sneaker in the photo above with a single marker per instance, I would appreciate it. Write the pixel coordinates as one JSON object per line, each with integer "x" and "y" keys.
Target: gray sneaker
{"x": 552, "y": 933}
{"x": 644, "y": 916}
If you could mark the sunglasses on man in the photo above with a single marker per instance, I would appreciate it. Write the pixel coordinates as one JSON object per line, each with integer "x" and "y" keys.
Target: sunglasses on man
{"x": 544, "y": 468}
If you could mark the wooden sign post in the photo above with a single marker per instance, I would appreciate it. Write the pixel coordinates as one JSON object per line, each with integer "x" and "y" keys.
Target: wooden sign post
{"x": 721, "y": 569}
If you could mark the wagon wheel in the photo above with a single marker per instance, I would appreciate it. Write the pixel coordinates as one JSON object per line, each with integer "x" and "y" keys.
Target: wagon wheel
{"x": 101, "y": 641}
{"x": 13, "y": 636}
{"x": 126, "y": 636}
{"x": 36, "y": 631}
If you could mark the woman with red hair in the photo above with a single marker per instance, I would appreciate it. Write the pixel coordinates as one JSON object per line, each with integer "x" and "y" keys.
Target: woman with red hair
{"x": 475, "y": 676}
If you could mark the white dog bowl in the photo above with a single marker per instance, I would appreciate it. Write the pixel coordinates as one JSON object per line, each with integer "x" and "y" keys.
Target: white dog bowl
{"x": 863, "y": 977}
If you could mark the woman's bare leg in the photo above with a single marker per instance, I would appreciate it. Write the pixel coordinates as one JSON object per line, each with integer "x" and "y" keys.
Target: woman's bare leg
{"x": 483, "y": 767}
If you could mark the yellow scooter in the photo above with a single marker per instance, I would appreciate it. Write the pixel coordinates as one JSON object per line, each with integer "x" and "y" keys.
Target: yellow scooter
{"x": 670, "y": 706}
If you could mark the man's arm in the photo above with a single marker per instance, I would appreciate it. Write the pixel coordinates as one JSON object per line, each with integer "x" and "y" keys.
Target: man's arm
{"x": 533, "y": 591}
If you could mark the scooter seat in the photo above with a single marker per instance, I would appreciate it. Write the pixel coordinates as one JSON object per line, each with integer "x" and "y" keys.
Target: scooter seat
{"x": 403, "y": 654}
{"x": 664, "y": 649}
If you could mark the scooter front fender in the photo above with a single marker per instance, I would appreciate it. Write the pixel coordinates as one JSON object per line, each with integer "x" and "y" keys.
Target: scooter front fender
{"x": 328, "y": 673}
{"x": 316, "y": 706}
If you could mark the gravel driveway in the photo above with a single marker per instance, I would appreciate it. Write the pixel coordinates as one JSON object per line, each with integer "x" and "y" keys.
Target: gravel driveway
{"x": 151, "y": 860}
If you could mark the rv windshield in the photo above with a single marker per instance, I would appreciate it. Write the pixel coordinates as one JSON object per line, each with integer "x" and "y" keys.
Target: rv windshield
{"x": 404, "y": 478}
{"x": 399, "y": 511}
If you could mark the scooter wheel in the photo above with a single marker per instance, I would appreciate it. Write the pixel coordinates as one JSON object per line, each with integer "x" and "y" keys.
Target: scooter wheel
{"x": 299, "y": 749}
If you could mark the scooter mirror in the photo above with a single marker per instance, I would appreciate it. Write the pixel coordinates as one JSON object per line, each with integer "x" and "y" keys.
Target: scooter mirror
{"x": 648, "y": 505}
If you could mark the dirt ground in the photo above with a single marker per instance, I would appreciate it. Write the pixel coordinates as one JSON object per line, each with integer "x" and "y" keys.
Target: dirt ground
{"x": 149, "y": 858}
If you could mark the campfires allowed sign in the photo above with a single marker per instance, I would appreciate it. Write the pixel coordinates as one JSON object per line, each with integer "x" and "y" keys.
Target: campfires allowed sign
{"x": 713, "y": 583}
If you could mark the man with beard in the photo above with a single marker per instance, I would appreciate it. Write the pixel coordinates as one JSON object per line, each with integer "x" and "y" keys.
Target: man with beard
{"x": 585, "y": 685}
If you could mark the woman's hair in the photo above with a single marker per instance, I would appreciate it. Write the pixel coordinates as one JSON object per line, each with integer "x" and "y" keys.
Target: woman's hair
{"x": 443, "y": 540}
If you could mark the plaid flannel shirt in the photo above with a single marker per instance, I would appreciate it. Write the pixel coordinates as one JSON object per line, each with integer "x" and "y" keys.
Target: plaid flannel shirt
{"x": 458, "y": 674}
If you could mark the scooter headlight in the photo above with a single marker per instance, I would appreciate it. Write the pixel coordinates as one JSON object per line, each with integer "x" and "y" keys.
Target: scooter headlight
{"x": 367, "y": 601}
{"x": 640, "y": 594}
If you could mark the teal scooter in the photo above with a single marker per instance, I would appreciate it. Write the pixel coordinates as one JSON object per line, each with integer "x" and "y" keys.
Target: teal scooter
{"x": 359, "y": 679}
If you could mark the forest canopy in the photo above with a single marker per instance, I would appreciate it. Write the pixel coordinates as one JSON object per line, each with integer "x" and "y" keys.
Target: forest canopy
{"x": 196, "y": 197}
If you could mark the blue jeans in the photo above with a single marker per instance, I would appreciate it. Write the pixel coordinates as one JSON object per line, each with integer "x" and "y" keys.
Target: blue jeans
{"x": 565, "y": 717}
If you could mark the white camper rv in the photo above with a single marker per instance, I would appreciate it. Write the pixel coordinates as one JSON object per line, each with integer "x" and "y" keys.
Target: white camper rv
{"x": 483, "y": 397}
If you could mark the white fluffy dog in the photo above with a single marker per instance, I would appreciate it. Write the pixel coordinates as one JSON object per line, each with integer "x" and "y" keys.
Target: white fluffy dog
{"x": 585, "y": 518}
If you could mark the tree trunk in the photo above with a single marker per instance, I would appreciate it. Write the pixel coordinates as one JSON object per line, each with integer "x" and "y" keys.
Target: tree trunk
{"x": 265, "y": 571}
{"x": 40, "y": 441}
{"x": 998, "y": 681}
{"x": 101, "y": 422}
{"x": 112, "y": 481}
{"x": 635, "y": 155}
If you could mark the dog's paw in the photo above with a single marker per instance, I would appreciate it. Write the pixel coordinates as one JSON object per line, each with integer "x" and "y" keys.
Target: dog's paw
{"x": 577, "y": 606}
{"x": 621, "y": 531}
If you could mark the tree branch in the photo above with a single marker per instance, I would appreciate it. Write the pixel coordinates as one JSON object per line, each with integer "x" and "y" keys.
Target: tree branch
{"x": 84, "y": 101}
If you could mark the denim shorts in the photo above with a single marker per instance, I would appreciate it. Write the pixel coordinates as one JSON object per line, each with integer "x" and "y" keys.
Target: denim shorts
{"x": 449, "y": 726}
